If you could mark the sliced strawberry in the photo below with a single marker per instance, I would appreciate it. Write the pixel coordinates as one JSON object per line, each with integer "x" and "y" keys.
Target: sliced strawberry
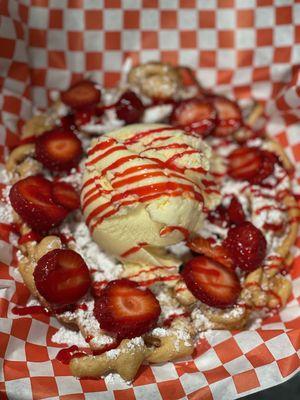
{"x": 246, "y": 245}
{"x": 204, "y": 246}
{"x": 67, "y": 122}
{"x": 194, "y": 115}
{"x": 32, "y": 199}
{"x": 81, "y": 94}
{"x": 58, "y": 150}
{"x": 188, "y": 77}
{"x": 235, "y": 212}
{"x": 268, "y": 161}
{"x": 129, "y": 107}
{"x": 229, "y": 116}
{"x": 219, "y": 216}
{"x": 211, "y": 282}
{"x": 65, "y": 195}
{"x": 126, "y": 310}
{"x": 244, "y": 163}
{"x": 62, "y": 277}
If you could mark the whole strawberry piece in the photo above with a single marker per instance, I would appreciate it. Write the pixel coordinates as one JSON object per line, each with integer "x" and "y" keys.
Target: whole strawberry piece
{"x": 31, "y": 198}
{"x": 126, "y": 310}
{"x": 211, "y": 282}
{"x": 62, "y": 277}
{"x": 129, "y": 107}
{"x": 58, "y": 150}
{"x": 83, "y": 93}
{"x": 246, "y": 245}
{"x": 235, "y": 212}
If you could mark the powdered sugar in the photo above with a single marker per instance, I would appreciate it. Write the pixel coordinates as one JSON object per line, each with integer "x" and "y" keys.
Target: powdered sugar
{"x": 67, "y": 336}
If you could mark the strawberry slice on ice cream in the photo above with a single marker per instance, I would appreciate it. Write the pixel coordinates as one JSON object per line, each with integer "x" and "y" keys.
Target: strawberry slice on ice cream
{"x": 65, "y": 195}
{"x": 126, "y": 310}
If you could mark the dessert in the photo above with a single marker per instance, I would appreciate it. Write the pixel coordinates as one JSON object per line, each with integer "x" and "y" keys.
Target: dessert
{"x": 187, "y": 217}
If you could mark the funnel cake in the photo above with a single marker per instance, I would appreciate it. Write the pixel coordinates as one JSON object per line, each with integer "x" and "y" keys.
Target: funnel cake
{"x": 189, "y": 254}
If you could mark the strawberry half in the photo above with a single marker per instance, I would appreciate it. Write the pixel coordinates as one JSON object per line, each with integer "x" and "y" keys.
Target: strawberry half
{"x": 32, "y": 199}
{"x": 62, "y": 277}
{"x": 81, "y": 94}
{"x": 235, "y": 212}
{"x": 246, "y": 245}
{"x": 211, "y": 282}
{"x": 58, "y": 150}
{"x": 194, "y": 115}
{"x": 126, "y": 310}
{"x": 268, "y": 161}
{"x": 65, "y": 195}
{"x": 229, "y": 116}
{"x": 204, "y": 246}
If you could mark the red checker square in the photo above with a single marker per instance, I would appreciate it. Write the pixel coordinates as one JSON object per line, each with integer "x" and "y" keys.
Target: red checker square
{"x": 2, "y": 384}
{"x": 203, "y": 394}
{"x": 244, "y": 58}
{"x": 186, "y": 368}
{"x": 144, "y": 376}
{"x": 126, "y": 394}
{"x": 226, "y": 39}
{"x": 150, "y": 4}
{"x": 2, "y": 154}
{"x": 288, "y": 364}
{"x": 111, "y": 78}
{"x": 40, "y": 384}
{"x": 284, "y": 15}
{"x": 282, "y": 139}
{"x": 201, "y": 348}
{"x": 149, "y": 40}
{"x": 7, "y": 48}
{"x": 112, "y": 3}
{"x": 38, "y": 77}
{"x": 272, "y": 319}
{"x": 12, "y": 104}
{"x": 55, "y": 19}
{"x": 77, "y": 396}
{"x": 134, "y": 55}
{"x": 264, "y": 37}
{"x": 18, "y": 71}
{"x": 4, "y": 339}
{"x": 59, "y": 368}
{"x": 282, "y": 54}
{"x": 269, "y": 334}
{"x": 75, "y": 41}
{"x": 294, "y": 337}
{"x": 187, "y": 3}
{"x": 168, "y": 19}
{"x": 76, "y": 77}
{"x": 92, "y": 385}
{"x": 245, "y": 18}
{"x": 226, "y": 3}
{"x": 245, "y": 381}
{"x": 19, "y": 30}
{"x": 37, "y": 38}
{"x": 296, "y": 150}
{"x": 294, "y": 324}
{"x": 228, "y": 350}
{"x": 36, "y": 353}
{"x": 4, "y": 8}
{"x": 21, "y": 294}
{"x": 261, "y": 74}
{"x": 170, "y": 57}
{"x": 20, "y": 327}
{"x": 131, "y": 19}
{"x": 93, "y": 60}
{"x": 43, "y": 3}
{"x": 297, "y": 34}
{"x": 173, "y": 387}
{"x": 224, "y": 76}
{"x": 74, "y": 4}
{"x": 93, "y": 19}
{"x": 259, "y": 356}
{"x": 188, "y": 39}
{"x": 266, "y": 3}
{"x": 57, "y": 59}
{"x": 15, "y": 370}
{"x": 216, "y": 374}
{"x": 112, "y": 40}
{"x": 207, "y": 58}
{"x": 207, "y": 19}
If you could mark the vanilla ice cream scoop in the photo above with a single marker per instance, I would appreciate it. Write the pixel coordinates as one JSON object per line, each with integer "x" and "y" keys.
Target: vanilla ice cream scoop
{"x": 146, "y": 187}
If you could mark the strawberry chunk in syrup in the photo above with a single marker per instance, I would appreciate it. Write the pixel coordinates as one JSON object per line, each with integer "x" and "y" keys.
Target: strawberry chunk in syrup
{"x": 81, "y": 94}
{"x": 229, "y": 118}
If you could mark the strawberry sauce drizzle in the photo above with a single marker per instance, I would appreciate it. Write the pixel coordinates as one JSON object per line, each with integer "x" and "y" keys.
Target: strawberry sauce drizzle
{"x": 66, "y": 355}
{"x": 30, "y": 310}
{"x": 133, "y": 249}
{"x": 29, "y": 237}
{"x": 167, "y": 322}
{"x": 169, "y": 229}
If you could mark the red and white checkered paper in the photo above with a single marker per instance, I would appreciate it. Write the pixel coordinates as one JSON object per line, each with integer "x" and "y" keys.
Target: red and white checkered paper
{"x": 246, "y": 48}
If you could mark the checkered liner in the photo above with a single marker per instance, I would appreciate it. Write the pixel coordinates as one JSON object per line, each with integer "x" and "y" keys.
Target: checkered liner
{"x": 242, "y": 47}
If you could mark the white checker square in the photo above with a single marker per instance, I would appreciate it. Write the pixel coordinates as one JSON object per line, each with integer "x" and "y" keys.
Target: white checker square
{"x": 37, "y": 333}
{"x": 296, "y": 282}
{"x": 264, "y": 17}
{"x": 40, "y": 368}
{"x": 75, "y": 61}
{"x": 208, "y": 4}
{"x": 226, "y": 59}
{"x": 57, "y": 78}
{"x": 149, "y": 20}
{"x": 164, "y": 372}
{"x": 91, "y": 396}
{"x": 296, "y": 13}
{"x": 20, "y": 53}
{"x": 208, "y": 360}
{"x": 292, "y": 98}
{"x": 224, "y": 389}
{"x": 275, "y": 125}
{"x": 14, "y": 85}
{"x": 131, "y": 40}
{"x": 131, "y": 4}
{"x": 263, "y": 56}
{"x": 193, "y": 382}
{"x": 189, "y": 57}
{"x": 281, "y": 72}
{"x": 8, "y": 27}
{"x": 243, "y": 4}
{"x": 280, "y": 346}
{"x": 207, "y": 39}
{"x": 245, "y": 38}
{"x": 62, "y": 4}
{"x": 38, "y": 58}
{"x": 169, "y": 5}
{"x": 16, "y": 389}
{"x": 283, "y": 2}
{"x": 73, "y": 19}
{"x": 146, "y": 392}
{"x": 68, "y": 385}
{"x": 268, "y": 375}
{"x": 5, "y": 325}
{"x": 295, "y": 54}
{"x": 261, "y": 90}
{"x": 38, "y": 17}
{"x": 93, "y": 40}
{"x": 239, "y": 364}
{"x": 93, "y": 5}
{"x": 112, "y": 61}
{"x": 187, "y": 19}
{"x": 225, "y": 19}
{"x": 5, "y": 249}
{"x": 207, "y": 77}
{"x": 112, "y": 19}
{"x": 283, "y": 35}
{"x": 242, "y": 76}
{"x": 168, "y": 39}
{"x": 248, "y": 340}
{"x": 56, "y": 40}
{"x": 15, "y": 350}
{"x": 113, "y": 381}
{"x": 149, "y": 55}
